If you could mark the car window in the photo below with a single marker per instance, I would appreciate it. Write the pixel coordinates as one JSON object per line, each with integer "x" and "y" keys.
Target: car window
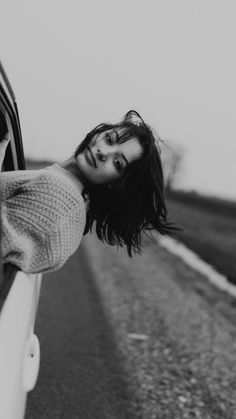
{"x": 14, "y": 159}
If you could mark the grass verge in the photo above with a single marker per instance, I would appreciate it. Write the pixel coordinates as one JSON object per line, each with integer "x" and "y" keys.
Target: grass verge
{"x": 209, "y": 229}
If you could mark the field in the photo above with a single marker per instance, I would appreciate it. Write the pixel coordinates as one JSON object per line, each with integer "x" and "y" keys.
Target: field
{"x": 209, "y": 228}
{"x": 32, "y": 164}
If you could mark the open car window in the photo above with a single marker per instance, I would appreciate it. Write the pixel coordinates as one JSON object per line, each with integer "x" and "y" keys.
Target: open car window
{"x": 14, "y": 159}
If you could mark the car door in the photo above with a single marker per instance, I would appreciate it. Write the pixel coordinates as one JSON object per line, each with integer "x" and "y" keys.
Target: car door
{"x": 19, "y": 292}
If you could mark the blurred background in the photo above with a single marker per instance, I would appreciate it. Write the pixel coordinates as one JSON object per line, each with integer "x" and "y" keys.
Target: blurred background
{"x": 74, "y": 64}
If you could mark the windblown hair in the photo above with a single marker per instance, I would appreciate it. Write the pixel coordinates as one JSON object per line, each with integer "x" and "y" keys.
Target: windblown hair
{"x": 136, "y": 202}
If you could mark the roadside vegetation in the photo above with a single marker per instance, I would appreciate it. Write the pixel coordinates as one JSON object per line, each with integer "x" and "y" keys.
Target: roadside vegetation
{"x": 209, "y": 228}
{"x": 32, "y": 164}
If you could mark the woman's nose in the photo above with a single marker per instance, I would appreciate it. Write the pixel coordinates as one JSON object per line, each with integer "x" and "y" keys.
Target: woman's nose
{"x": 102, "y": 155}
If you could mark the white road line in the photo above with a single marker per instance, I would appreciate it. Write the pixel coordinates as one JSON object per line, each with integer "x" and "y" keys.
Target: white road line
{"x": 193, "y": 260}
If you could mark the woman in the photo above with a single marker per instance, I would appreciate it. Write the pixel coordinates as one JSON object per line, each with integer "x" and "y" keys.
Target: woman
{"x": 114, "y": 180}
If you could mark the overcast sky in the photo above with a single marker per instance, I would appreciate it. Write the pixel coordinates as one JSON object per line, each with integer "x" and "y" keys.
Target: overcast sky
{"x": 74, "y": 64}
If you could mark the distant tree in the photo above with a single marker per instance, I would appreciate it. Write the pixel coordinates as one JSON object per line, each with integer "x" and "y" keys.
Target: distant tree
{"x": 172, "y": 158}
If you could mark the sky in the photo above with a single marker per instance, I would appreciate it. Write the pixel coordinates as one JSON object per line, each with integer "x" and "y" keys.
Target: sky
{"x": 75, "y": 63}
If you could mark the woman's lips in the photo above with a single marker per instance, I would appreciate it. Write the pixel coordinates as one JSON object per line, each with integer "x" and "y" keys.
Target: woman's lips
{"x": 91, "y": 157}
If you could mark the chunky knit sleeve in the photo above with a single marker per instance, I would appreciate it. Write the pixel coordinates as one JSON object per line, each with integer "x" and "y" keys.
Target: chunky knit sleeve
{"x": 43, "y": 219}
{"x": 64, "y": 238}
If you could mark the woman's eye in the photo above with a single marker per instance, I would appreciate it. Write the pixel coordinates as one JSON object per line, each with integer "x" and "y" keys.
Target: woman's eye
{"x": 108, "y": 139}
{"x": 118, "y": 164}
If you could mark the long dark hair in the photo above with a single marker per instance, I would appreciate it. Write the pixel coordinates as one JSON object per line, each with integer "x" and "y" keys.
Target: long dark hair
{"x": 136, "y": 203}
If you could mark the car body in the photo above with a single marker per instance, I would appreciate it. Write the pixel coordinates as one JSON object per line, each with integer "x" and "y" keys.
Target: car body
{"x": 19, "y": 292}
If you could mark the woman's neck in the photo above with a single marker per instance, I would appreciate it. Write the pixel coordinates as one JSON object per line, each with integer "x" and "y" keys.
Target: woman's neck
{"x": 71, "y": 166}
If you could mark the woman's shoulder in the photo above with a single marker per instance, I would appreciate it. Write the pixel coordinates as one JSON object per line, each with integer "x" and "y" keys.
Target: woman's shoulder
{"x": 61, "y": 184}
{"x": 11, "y": 181}
{"x": 62, "y": 175}
{"x": 43, "y": 195}
{"x": 51, "y": 180}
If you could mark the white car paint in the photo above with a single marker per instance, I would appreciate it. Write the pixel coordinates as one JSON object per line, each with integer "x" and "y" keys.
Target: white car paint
{"x": 19, "y": 347}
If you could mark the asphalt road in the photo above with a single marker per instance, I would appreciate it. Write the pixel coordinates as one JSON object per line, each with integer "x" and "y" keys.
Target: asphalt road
{"x": 145, "y": 337}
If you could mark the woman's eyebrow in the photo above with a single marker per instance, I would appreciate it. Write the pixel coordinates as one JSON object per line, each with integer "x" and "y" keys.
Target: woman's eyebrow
{"x": 125, "y": 159}
{"x": 117, "y": 136}
{"x": 122, "y": 155}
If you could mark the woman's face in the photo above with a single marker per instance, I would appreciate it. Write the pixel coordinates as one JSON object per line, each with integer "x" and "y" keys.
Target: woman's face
{"x": 105, "y": 160}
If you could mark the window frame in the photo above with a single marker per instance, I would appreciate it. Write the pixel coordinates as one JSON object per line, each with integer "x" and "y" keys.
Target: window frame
{"x": 14, "y": 160}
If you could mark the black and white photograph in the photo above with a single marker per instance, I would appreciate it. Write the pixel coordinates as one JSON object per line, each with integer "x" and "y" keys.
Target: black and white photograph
{"x": 118, "y": 209}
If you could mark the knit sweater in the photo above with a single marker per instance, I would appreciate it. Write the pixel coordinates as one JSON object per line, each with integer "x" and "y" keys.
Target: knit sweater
{"x": 43, "y": 218}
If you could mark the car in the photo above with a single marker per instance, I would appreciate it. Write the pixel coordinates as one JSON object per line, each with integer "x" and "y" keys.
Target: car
{"x": 19, "y": 292}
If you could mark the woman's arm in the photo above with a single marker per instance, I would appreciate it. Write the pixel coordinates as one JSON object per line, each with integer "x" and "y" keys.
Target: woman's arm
{"x": 3, "y": 146}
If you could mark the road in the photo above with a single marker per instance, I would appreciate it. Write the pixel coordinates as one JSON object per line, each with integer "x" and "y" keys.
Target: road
{"x": 145, "y": 337}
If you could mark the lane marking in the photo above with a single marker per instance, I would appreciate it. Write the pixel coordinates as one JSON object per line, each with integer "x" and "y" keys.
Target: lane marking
{"x": 137, "y": 336}
{"x": 195, "y": 262}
